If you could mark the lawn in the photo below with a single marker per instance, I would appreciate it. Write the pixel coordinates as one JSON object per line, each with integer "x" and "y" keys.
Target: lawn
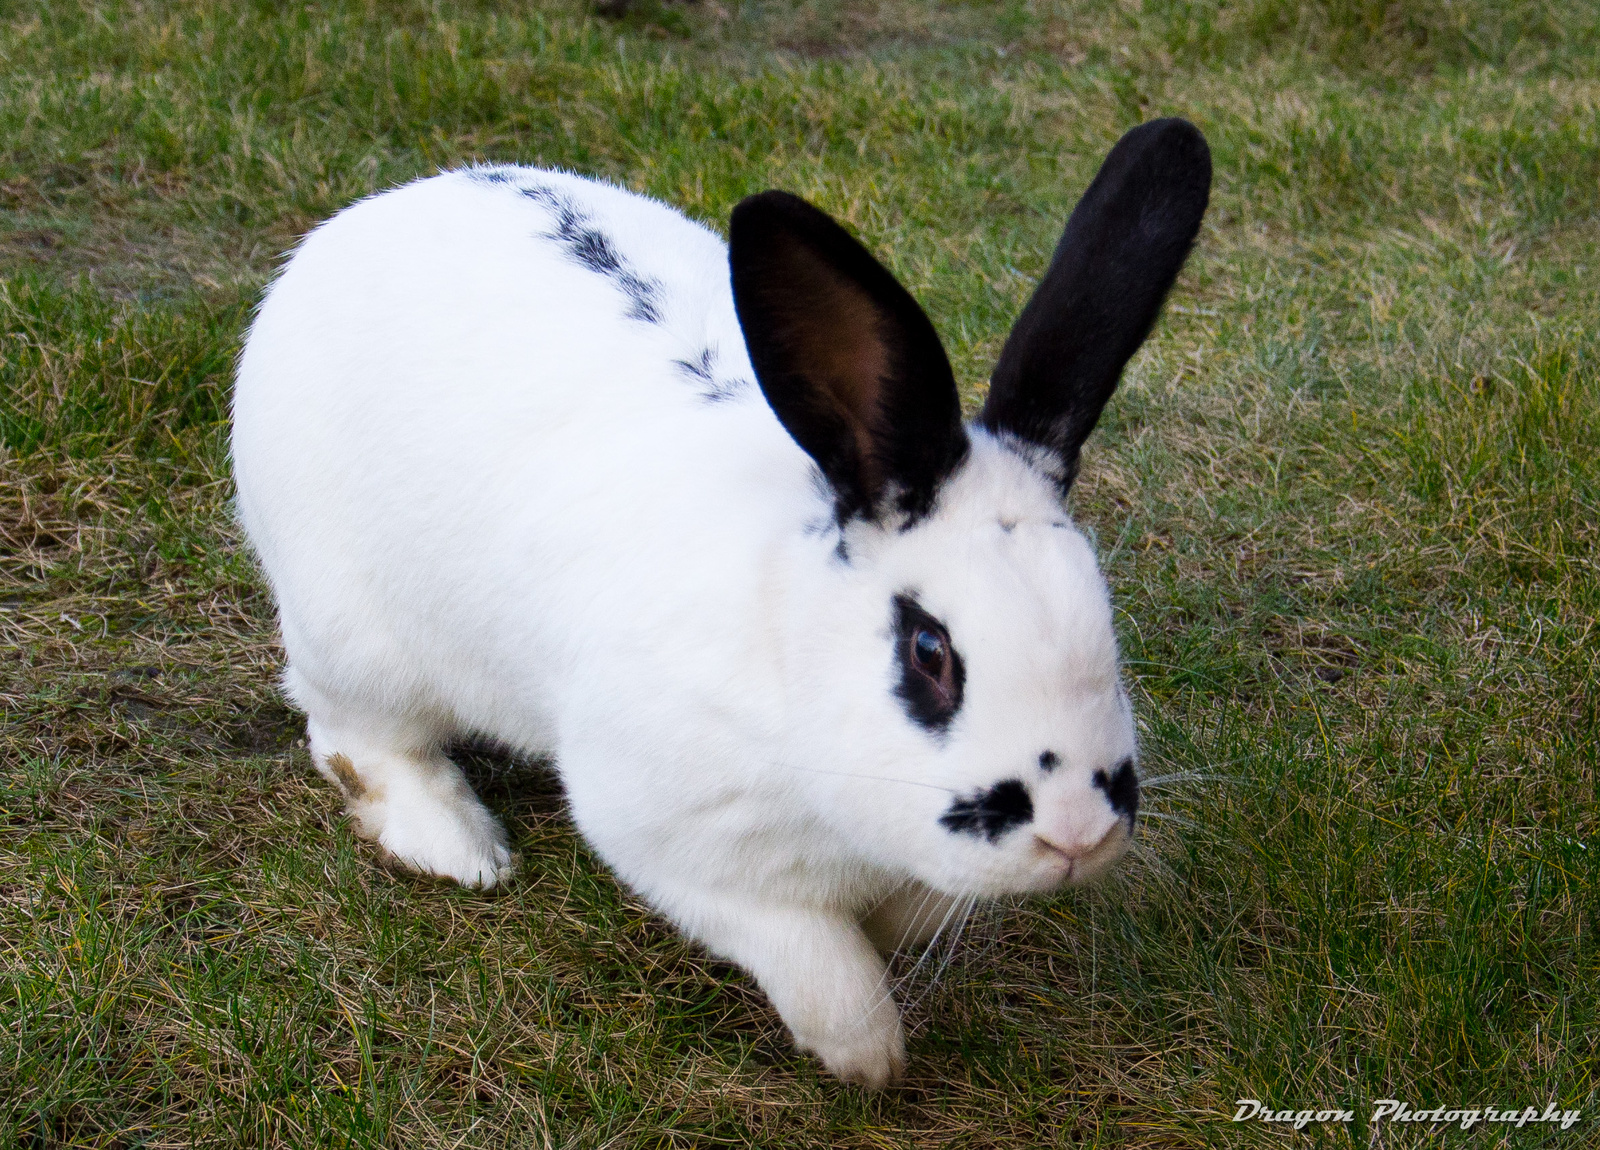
{"x": 1348, "y": 499}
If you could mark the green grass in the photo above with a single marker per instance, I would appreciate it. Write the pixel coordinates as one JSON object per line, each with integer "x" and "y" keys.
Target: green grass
{"x": 1349, "y": 500}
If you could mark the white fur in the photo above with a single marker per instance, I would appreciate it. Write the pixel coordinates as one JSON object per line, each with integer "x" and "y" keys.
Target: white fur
{"x": 490, "y": 500}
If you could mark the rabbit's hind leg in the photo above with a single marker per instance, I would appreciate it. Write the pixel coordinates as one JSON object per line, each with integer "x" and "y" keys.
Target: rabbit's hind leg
{"x": 404, "y": 794}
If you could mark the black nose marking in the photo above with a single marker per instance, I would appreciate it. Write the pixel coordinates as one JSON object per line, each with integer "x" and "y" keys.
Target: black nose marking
{"x": 1048, "y": 761}
{"x": 990, "y": 813}
{"x": 1121, "y": 788}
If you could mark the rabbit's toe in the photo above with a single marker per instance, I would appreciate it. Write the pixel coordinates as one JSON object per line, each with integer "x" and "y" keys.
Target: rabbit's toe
{"x": 457, "y": 840}
{"x": 873, "y": 1057}
{"x": 866, "y": 1049}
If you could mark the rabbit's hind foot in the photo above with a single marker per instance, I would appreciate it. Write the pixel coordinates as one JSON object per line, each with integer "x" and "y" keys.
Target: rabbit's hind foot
{"x": 417, "y": 806}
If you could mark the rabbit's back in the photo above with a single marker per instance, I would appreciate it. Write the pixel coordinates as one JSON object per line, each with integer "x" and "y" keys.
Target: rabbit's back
{"x": 478, "y": 414}
{"x": 526, "y": 295}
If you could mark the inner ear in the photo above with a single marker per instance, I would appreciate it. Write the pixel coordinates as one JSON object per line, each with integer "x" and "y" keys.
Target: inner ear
{"x": 830, "y": 324}
{"x": 847, "y": 360}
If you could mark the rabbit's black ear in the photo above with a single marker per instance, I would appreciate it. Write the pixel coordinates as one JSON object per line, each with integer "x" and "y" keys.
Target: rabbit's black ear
{"x": 1122, "y": 248}
{"x": 847, "y": 360}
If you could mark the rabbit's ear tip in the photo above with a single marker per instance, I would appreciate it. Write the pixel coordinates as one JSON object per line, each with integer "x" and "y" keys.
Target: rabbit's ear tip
{"x": 1170, "y": 132}
{"x": 1171, "y": 153}
{"x": 773, "y": 201}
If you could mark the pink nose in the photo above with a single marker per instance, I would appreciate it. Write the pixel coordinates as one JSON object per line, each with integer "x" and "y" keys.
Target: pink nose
{"x": 1086, "y": 857}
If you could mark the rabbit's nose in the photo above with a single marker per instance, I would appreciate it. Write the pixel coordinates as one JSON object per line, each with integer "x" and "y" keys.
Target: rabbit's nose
{"x": 1082, "y": 860}
{"x": 1088, "y": 850}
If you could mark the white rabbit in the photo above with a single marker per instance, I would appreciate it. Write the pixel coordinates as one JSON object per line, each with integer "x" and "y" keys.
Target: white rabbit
{"x": 815, "y": 661}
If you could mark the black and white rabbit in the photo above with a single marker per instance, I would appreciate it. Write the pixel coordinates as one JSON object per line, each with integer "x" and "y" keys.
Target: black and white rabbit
{"x": 815, "y": 661}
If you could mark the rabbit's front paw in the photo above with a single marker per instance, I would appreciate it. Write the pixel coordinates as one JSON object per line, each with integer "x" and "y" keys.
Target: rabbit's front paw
{"x": 822, "y": 974}
{"x": 871, "y": 1055}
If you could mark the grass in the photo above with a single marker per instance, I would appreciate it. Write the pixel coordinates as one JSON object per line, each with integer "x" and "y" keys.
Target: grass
{"x": 1348, "y": 497}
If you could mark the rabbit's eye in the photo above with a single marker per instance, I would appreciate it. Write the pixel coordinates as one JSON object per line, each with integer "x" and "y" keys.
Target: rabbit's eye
{"x": 931, "y": 674}
{"x": 930, "y": 655}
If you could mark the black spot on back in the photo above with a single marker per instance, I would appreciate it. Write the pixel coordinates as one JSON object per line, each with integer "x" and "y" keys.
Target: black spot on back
{"x": 990, "y": 813}
{"x": 1121, "y": 788}
{"x": 726, "y": 389}
{"x": 593, "y": 249}
{"x": 702, "y": 369}
{"x": 1048, "y": 761}
{"x": 700, "y": 366}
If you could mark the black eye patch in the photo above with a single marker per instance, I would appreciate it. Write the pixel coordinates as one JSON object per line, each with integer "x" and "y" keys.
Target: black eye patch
{"x": 1121, "y": 788}
{"x": 932, "y": 675}
{"x": 990, "y": 813}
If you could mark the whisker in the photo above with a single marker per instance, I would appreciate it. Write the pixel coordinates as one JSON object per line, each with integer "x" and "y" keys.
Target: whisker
{"x": 933, "y": 942}
{"x": 1179, "y": 819}
{"x": 968, "y": 902}
{"x": 888, "y": 990}
{"x": 1187, "y": 777}
{"x": 1210, "y": 764}
{"x": 884, "y": 989}
{"x": 874, "y": 778}
{"x": 955, "y": 942}
{"x": 1166, "y": 874}
{"x": 953, "y": 914}
{"x": 929, "y": 895}
{"x": 985, "y": 921}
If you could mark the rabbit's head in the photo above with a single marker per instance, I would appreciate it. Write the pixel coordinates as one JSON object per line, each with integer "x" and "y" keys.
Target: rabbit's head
{"x": 957, "y": 709}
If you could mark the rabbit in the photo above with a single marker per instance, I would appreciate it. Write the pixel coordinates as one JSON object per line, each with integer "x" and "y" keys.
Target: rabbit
{"x": 529, "y": 457}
